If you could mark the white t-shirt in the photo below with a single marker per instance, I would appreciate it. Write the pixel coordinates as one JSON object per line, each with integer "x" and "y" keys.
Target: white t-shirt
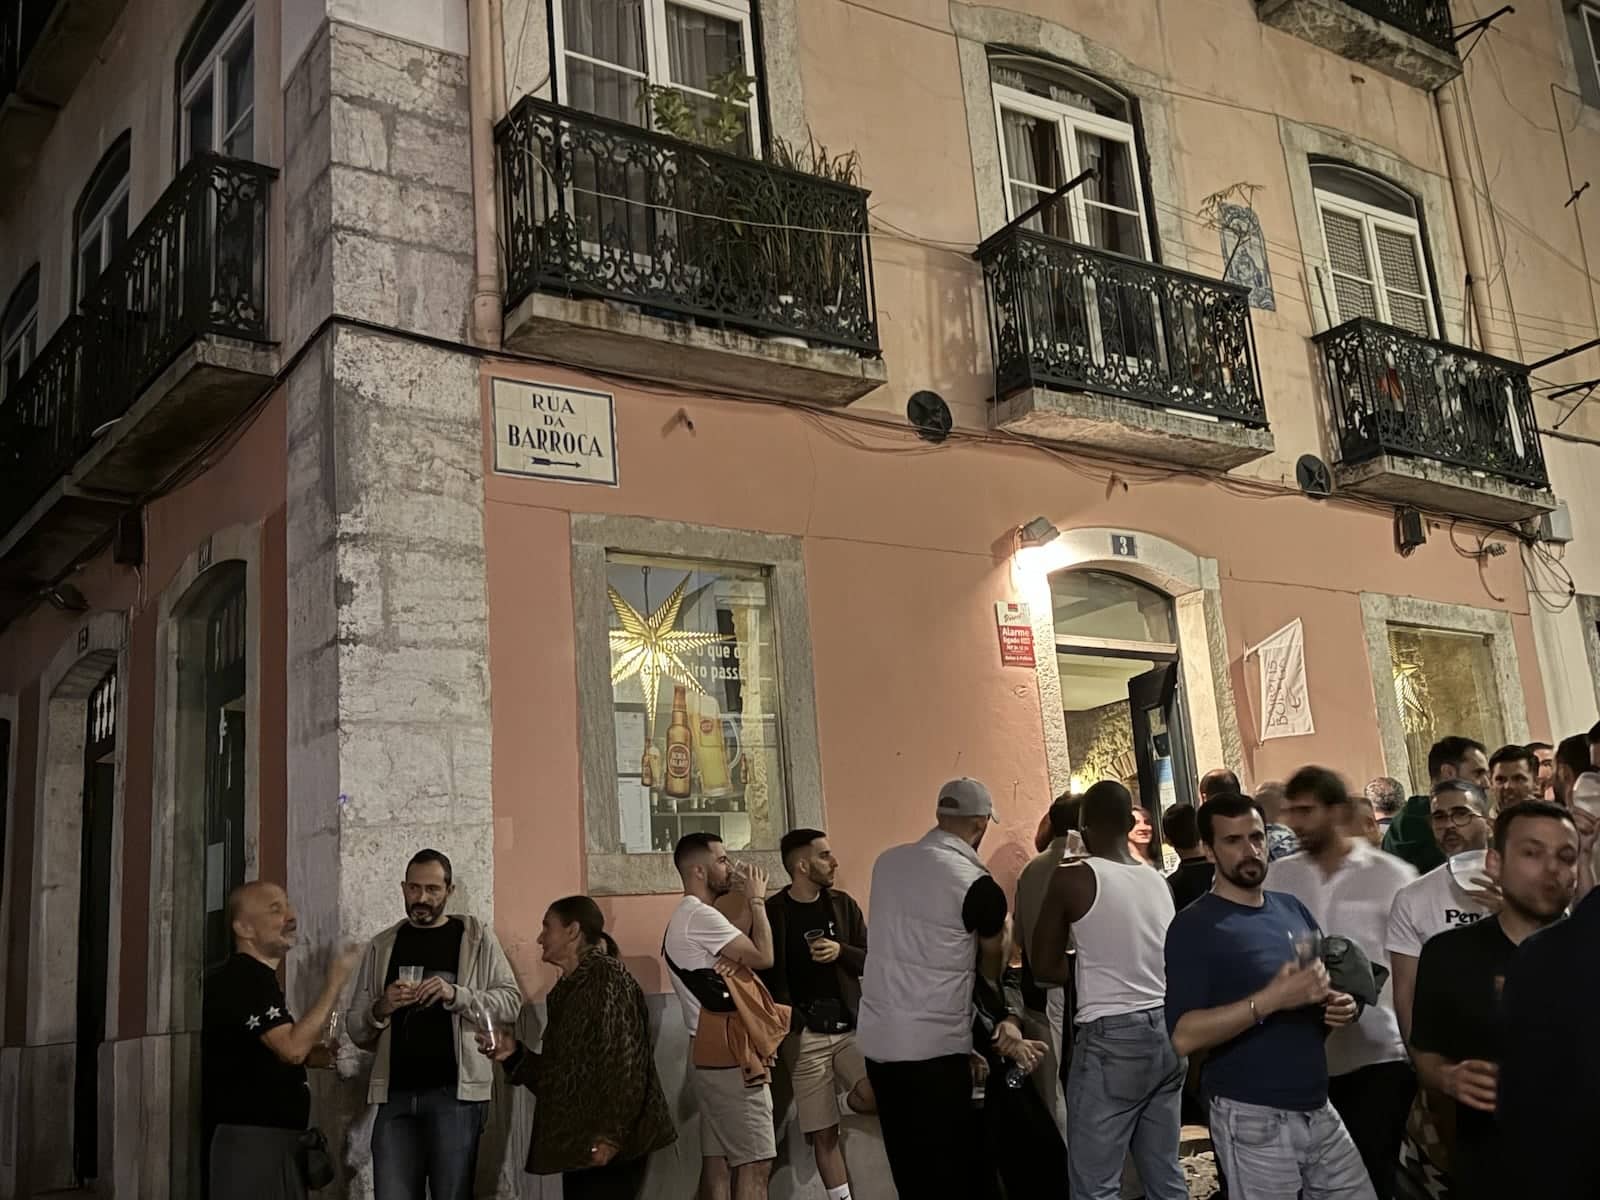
{"x": 696, "y": 934}
{"x": 1428, "y": 906}
{"x": 1354, "y": 902}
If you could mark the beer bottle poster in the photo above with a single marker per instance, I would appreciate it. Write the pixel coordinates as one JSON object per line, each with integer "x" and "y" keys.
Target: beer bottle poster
{"x": 694, "y": 679}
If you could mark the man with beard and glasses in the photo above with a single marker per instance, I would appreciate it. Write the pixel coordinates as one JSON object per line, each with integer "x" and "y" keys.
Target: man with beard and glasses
{"x": 1448, "y": 759}
{"x": 1456, "y": 1025}
{"x": 425, "y": 986}
{"x": 737, "y": 1140}
{"x": 1348, "y": 885}
{"x": 1447, "y": 897}
{"x": 254, "y": 1102}
{"x": 1513, "y": 776}
{"x": 1245, "y": 982}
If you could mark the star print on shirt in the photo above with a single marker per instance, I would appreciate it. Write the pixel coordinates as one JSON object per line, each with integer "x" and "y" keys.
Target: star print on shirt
{"x": 253, "y": 1023}
{"x": 274, "y": 1013}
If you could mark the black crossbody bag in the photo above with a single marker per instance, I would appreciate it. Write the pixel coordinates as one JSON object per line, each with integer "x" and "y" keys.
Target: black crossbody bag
{"x": 316, "y": 1164}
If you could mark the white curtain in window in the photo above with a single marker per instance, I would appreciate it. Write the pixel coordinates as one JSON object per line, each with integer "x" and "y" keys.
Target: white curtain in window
{"x": 613, "y": 32}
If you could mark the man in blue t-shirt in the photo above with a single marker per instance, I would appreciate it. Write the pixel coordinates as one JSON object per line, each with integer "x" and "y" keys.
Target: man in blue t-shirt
{"x": 1237, "y": 989}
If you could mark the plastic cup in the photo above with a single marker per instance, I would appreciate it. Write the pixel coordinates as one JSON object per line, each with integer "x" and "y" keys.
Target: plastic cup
{"x": 1466, "y": 865}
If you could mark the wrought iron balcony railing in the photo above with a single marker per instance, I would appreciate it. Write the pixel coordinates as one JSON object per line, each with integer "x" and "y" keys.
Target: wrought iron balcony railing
{"x": 1429, "y": 20}
{"x": 598, "y": 208}
{"x": 1069, "y": 316}
{"x": 196, "y": 265}
{"x": 1393, "y": 392}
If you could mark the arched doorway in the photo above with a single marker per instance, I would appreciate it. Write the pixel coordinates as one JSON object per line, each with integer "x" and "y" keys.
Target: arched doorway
{"x": 1118, "y": 659}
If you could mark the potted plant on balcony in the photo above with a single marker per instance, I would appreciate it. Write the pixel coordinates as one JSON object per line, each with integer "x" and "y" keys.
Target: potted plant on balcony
{"x": 806, "y": 251}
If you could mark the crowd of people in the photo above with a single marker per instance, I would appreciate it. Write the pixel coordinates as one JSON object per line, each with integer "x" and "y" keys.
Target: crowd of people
{"x": 1363, "y": 995}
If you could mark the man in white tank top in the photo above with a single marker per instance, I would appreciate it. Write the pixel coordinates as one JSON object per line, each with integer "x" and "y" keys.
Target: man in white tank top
{"x": 1126, "y": 1080}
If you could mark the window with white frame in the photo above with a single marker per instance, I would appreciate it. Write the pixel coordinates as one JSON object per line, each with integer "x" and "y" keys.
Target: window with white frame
{"x": 611, "y": 53}
{"x": 217, "y": 80}
{"x": 101, "y": 227}
{"x": 1056, "y": 123}
{"x": 1372, "y": 240}
{"x": 19, "y": 331}
{"x": 1589, "y": 14}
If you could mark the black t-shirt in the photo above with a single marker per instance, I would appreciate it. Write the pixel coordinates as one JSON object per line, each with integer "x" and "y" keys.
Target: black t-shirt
{"x": 1456, "y": 1013}
{"x": 1550, "y": 1076}
{"x": 242, "y": 1081}
{"x": 983, "y": 911}
{"x": 809, "y": 980}
{"x": 1190, "y": 881}
{"x": 422, "y": 1041}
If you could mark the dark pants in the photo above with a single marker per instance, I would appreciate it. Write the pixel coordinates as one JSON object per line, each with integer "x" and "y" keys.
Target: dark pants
{"x": 426, "y": 1139}
{"x": 252, "y": 1162}
{"x": 931, "y": 1134}
{"x": 1373, "y": 1103}
{"x": 616, "y": 1181}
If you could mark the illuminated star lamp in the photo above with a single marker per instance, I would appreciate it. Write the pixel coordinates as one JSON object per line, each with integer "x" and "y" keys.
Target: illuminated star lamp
{"x": 649, "y": 647}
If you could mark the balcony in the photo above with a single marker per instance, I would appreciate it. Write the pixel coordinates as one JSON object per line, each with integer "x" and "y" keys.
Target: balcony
{"x": 1425, "y": 423}
{"x": 168, "y": 349}
{"x": 639, "y": 254}
{"x": 1127, "y": 356}
{"x": 1410, "y": 40}
{"x": 46, "y": 46}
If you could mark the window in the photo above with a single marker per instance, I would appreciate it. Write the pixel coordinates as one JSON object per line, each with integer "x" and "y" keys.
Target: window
{"x": 695, "y": 697}
{"x": 613, "y": 51}
{"x": 19, "y": 331}
{"x": 101, "y": 225}
{"x": 1055, "y": 124}
{"x": 1442, "y": 687}
{"x": 216, "y": 80}
{"x": 1589, "y": 14}
{"x": 1373, "y": 242}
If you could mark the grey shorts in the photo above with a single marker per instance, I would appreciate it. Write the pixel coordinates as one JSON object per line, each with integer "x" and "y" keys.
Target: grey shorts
{"x": 735, "y": 1121}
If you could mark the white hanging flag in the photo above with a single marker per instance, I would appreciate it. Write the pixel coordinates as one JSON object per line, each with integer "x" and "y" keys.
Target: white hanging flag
{"x": 1285, "y": 703}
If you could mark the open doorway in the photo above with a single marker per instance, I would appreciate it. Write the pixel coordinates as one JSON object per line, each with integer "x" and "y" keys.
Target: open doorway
{"x": 94, "y": 921}
{"x": 1121, "y": 689}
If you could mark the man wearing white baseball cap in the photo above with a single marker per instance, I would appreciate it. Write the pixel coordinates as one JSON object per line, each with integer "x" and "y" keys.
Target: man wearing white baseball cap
{"x": 935, "y": 909}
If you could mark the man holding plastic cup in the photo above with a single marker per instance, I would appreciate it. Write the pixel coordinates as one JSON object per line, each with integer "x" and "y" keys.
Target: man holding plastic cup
{"x": 426, "y": 985}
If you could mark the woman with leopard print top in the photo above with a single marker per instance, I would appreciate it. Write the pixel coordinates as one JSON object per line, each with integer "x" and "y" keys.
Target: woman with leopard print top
{"x": 600, "y": 1111}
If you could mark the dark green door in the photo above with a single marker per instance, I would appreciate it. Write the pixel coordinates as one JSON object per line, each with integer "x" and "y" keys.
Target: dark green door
{"x": 94, "y": 920}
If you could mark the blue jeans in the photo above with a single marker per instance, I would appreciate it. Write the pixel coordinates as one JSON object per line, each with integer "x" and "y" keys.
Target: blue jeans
{"x": 1123, "y": 1094}
{"x": 1280, "y": 1154}
{"x": 426, "y": 1139}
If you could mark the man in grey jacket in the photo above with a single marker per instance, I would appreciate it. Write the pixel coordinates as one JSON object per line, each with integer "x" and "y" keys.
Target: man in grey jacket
{"x": 425, "y": 986}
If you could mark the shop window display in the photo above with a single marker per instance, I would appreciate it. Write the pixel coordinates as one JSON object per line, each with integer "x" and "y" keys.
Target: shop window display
{"x": 694, "y": 680}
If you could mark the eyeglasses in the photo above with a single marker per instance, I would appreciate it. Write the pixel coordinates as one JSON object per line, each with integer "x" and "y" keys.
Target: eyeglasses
{"x": 1455, "y": 816}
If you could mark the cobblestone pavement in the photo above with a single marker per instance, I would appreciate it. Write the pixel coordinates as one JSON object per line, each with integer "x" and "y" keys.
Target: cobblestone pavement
{"x": 1200, "y": 1170}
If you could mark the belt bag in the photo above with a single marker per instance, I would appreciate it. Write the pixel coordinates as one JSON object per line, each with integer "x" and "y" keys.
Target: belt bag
{"x": 824, "y": 1016}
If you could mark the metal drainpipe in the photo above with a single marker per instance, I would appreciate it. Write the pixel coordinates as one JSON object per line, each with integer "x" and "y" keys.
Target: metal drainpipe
{"x": 1466, "y": 200}
{"x": 487, "y": 323}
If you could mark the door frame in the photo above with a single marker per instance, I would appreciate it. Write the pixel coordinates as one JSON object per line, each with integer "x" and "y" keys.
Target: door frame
{"x": 1193, "y": 584}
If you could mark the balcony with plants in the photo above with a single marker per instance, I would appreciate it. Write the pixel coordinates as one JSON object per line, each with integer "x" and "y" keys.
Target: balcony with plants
{"x": 46, "y": 46}
{"x": 1129, "y": 356}
{"x": 1422, "y": 422}
{"x": 168, "y": 348}
{"x": 666, "y": 253}
{"x": 1413, "y": 41}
